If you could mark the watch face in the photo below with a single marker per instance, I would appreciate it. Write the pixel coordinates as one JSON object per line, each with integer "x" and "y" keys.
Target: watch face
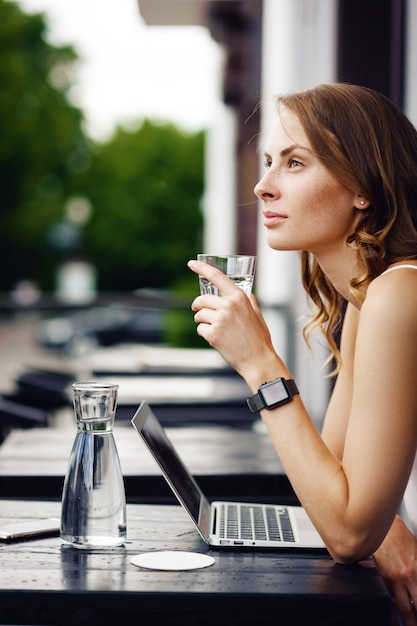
{"x": 274, "y": 392}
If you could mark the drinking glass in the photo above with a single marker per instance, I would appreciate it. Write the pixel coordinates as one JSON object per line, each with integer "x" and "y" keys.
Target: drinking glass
{"x": 239, "y": 268}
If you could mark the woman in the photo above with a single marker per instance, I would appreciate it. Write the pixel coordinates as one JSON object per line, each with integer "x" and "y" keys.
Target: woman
{"x": 341, "y": 187}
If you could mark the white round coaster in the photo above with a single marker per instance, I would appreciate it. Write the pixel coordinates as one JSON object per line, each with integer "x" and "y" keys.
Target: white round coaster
{"x": 172, "y": 560}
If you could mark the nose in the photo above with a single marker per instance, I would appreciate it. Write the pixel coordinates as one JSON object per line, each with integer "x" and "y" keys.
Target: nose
{"x": 263, "y": 189}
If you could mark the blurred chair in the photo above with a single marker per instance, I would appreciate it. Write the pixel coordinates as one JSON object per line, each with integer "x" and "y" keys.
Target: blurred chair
{"x": 43, "y": 389}
{"x": 16, "y": 415}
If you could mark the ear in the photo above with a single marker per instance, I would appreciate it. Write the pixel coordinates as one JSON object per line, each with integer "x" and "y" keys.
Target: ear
{"x": 360, "y": 202}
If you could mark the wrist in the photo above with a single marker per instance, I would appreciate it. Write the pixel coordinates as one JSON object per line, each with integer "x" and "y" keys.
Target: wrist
{"x": 273, "y": 394}
{"x": 265, "y": 372}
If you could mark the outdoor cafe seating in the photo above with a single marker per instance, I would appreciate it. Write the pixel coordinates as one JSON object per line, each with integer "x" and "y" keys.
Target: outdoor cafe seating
{"x": 201, "y": 403}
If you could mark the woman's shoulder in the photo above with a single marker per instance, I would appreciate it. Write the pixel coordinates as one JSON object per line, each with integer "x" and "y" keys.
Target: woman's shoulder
{"x": 400, "y": 266}
{"x": 396, "y": 276}
{"x": 394, "y": 292}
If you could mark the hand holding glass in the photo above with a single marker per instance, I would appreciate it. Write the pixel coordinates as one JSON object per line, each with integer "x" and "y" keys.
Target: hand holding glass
{"x": 240, "y": 269}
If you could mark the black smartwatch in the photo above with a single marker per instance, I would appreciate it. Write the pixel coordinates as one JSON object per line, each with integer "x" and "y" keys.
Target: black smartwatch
{"x": 273, "y": 394}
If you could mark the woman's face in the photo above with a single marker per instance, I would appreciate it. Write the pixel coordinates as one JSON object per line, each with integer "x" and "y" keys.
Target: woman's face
{"x": 305, "y": 206}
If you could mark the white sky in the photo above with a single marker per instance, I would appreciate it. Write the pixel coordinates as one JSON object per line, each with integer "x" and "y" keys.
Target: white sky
{"x": 128, "y": 70}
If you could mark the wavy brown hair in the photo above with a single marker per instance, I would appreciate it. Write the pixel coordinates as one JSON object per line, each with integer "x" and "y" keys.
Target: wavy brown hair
{"x": 368, "y": 143}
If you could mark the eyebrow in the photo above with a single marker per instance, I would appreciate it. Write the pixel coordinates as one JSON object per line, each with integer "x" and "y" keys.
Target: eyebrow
{"x": 289, "y": 149}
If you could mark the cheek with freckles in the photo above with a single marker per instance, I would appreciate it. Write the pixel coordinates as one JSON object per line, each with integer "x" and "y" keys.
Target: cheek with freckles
{"x": 318, "y": 221}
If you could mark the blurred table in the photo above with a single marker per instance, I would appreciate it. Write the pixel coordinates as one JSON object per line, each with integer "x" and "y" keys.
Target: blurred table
{"x": 227, "y": 462}
{"x": 43, "y": 582}
{"x": 183, "y": 385}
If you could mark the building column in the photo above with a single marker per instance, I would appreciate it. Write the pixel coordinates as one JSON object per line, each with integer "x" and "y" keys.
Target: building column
{"x": 298, "y": 51}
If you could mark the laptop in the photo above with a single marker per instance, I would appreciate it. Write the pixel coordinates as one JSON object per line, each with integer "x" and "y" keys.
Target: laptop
{"x": 223, "y": 523}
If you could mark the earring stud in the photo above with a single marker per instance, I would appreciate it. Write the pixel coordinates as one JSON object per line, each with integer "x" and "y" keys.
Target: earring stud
{"x": 362, "y": 202}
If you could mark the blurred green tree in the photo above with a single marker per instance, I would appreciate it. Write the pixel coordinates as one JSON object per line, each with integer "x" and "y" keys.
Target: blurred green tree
{"x": 41, "y": 143}
{"x": 145, "y": 188}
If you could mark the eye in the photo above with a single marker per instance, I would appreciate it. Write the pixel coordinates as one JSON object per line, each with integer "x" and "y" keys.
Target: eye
{"x": 294, "y": 163}
{"x": 267, "y": 163}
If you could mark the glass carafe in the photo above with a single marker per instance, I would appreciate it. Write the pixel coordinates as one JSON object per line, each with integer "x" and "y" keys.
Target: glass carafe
{"x": 93, "y": 511}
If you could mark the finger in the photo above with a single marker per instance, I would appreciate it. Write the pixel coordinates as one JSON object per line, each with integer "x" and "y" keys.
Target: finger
{"x": 207, "y": 301}
{"x": 213, "y": 275}
{"x": 204, "y": 327}
{"x": 203, "y": 316}
{"x": 405, "y": 606}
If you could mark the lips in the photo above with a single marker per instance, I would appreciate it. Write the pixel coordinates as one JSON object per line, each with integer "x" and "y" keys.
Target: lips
{"x": 271, "y": 219}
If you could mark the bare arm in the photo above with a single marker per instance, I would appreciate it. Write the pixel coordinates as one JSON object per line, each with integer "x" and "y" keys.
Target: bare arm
{"x": 337, "y": 415}
{"x": 396, "y": 557}
{"x": 352, "y": 486}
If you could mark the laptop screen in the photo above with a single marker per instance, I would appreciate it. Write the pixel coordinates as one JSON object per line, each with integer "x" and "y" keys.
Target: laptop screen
{"x": 179, "y": 478}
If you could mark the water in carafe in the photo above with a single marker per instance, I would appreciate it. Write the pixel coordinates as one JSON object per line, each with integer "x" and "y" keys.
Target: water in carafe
{"x": 93, "y": 511}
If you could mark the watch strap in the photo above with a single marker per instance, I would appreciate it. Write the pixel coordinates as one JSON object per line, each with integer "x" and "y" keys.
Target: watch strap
{"x": 256, "y": 403}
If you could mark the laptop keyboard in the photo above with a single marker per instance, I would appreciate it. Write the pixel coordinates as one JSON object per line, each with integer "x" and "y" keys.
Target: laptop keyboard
{"x": 267, "y": 523}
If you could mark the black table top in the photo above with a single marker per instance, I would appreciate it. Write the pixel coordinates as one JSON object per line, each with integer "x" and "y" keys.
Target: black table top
{"x": 44, "y": 582}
